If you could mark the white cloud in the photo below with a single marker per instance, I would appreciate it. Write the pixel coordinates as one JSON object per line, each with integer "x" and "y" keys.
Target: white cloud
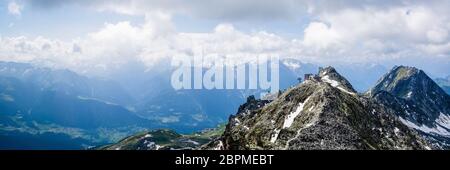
{"x": 345, "y": 31}
{"x": 321, "y": 36}
{"x": 437, "y": 35}
{"x": 369, "y": 34}
{"x": 122, "y": 42}
{"x": 14, "y": 8}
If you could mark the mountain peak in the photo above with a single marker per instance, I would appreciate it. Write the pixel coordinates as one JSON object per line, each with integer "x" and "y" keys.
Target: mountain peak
{"x": 424, "y": 103}
{"x": 406, "y": 69}
{"x": 399, "y": 73}
{"x": 408, "y": 83}
{"x": 331, "y": 76}
{"x": 327, "y": 70}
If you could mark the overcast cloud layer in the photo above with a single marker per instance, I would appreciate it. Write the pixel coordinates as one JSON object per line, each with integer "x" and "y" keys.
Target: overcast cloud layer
{"x": 360, "y": 31}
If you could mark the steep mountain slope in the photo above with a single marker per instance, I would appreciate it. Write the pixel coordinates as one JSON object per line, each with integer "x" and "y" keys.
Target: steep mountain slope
{"x": 323, "y": 112}
{"x": 418, "y": 101}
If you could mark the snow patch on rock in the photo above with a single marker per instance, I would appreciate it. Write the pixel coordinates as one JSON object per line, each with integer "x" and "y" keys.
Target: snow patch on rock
{"x": 290, "y": 118}
{"x": 433, "y": 130}
{"x": 274, "y": 136}
{"x": 443, "y": 120}
{"x": 333, "y": 83}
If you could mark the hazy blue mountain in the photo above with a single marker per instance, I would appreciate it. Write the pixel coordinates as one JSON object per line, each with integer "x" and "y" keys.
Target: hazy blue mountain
{"x": 444, "y": 83}
{"x": 188, "y": 110}
{"x": 362, "y": 76}
{"x": 65, "y": 81}
{"x": 37, "y": 101}
{"x": 16, "y": 140}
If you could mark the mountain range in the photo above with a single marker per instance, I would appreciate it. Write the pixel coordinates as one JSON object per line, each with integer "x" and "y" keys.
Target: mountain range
{"x": 48, "y": 106}
{"x": 60, "y": 109}
{"x": 404, "y": 110}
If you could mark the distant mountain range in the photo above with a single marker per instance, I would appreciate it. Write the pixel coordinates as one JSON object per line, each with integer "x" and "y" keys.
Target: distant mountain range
{"x": 444, "y": 83}
{"x": 45, "y": 108}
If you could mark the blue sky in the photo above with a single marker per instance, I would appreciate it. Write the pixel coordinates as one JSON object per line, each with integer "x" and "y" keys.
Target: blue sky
{"x": 66, "y": 22}
{"x": 72, "y": 21}
{"x": 100, "y": 34}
